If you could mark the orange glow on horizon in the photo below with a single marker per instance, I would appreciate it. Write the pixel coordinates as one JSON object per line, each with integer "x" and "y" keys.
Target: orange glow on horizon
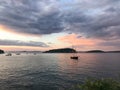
{"x": 6, "y": 30}
{"x": 8, "y": 34}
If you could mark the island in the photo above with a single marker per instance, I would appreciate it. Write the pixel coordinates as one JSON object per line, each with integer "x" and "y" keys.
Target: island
{"x": 95, "y": 51}
{"x": 1, "y": 51}
{"x": 62, "y": 50}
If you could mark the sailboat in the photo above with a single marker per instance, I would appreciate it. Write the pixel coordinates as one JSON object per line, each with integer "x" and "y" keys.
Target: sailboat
{"x": 75, "y": 57}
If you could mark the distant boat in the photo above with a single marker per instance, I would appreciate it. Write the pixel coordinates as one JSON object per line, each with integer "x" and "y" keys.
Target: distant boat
{"x": 17, "y": 53}
{"x": 9, "y": 54}
{"x": 34, "y": 53}
{"x": 75, "y": 57}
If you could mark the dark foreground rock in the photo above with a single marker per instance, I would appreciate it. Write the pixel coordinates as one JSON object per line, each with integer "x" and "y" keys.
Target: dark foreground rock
{"x": 1, "y": 51}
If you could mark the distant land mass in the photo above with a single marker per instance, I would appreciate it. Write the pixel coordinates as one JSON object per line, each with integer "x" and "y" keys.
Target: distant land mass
{"x": 70, "y": 50}
{"x": 113, "y": 52}
{"x": 98, "y": 51}
{"x": 95, "y": 51}
{"x": 1, "y": 51}
{"x": 61, "y": 50}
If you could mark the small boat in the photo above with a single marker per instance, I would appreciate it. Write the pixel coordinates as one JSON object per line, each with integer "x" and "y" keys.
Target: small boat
{"x": 9, "y": 54}
{"x": 17, "y": 53}
{"x": 74, "y": 57}
{"x": 34, "y": 53}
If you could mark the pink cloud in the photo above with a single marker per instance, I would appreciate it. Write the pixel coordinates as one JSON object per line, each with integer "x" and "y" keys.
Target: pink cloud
{"x": 80, "y": 42}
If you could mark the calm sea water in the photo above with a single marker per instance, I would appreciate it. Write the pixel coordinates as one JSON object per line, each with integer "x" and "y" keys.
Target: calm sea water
{"x": 55, "y": 71}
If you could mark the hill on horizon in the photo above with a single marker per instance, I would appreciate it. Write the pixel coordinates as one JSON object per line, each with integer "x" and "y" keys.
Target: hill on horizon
{"x": 61, "y": 50}
{"x": 95, "y": 51}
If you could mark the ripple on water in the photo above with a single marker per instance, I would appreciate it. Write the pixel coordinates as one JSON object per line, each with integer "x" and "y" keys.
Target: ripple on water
{"x": 54, "y": 71}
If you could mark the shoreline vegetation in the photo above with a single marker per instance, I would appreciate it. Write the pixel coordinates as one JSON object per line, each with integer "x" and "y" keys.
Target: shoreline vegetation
{"x": 98, "y": 84}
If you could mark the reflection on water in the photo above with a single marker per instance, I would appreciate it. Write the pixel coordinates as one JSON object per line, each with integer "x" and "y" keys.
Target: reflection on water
{"x": 54, "y": 71}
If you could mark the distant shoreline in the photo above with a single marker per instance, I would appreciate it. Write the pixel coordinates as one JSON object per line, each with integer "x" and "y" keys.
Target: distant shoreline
{"x": 70, "y": 50}
{"x": 64, "y": 50}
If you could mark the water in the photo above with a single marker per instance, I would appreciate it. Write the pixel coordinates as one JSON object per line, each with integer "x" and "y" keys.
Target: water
{"x": 55, "y": 71}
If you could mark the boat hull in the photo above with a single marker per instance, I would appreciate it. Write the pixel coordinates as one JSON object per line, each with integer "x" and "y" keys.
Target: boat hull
{"x": 74, "y": 58}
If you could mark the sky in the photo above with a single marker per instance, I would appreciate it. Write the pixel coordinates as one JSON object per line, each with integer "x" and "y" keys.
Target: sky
{"x": 50, "y": 24}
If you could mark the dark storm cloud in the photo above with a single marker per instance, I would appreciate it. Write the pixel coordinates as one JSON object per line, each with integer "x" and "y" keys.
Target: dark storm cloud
{"x": 21, "y": 43}
{"x": 33, "y": 17}
{"x": 47, "y": 24}
{"x": 91, "y": 18}
{"x": 100, "y": 22}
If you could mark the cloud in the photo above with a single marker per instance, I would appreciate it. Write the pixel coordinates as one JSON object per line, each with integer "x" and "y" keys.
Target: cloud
{"x": 21, "y": 43}
{"x": 110, "y": 43}
{"x": 89, "y": 18}
{"x": 33, "y": 17}
{"x": 95, "y": 21}
{"x": 76, "y": 40}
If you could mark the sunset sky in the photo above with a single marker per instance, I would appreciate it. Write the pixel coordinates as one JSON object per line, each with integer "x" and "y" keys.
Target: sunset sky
{"x": 48, "y": 24}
